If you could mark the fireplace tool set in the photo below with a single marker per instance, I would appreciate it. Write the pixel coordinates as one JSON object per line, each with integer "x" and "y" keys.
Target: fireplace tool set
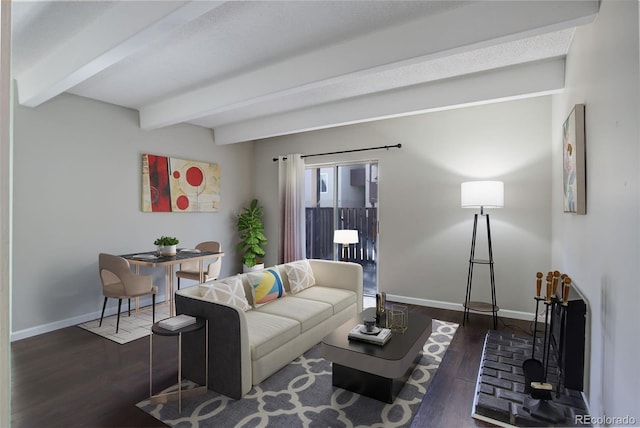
{"x": 535, "y": 371}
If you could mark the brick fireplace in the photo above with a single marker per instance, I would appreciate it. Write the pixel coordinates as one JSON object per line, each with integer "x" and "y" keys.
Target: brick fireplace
{"x": 502, "y": 397}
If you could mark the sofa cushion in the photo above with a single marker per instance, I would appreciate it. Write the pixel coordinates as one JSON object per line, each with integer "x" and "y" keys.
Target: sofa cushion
{"x": 300, "y": 275}
{"x": 268, "y": 332}
{"x": 338, "y": 298}
{"x": 308, "y": 313}
{"x": 228, "y": 290}
{"x": 266, "y": 286}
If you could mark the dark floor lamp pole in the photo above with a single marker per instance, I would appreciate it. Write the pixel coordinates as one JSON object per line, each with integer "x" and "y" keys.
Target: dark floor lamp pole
{"x": 481, "y": 194}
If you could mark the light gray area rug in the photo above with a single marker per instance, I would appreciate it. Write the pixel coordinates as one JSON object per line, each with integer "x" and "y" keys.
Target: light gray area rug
{"x": 131, "y": 327}
{"x": 301, "y": 395}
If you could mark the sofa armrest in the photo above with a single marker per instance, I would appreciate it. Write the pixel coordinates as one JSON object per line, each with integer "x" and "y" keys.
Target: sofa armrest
{"x": 346, "y": 275}
{"x": 229, "y": 350}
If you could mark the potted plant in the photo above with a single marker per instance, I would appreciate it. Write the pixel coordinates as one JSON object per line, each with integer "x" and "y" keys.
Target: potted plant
{"x": 166, "y": 245}
{"x": 252, "y": 239}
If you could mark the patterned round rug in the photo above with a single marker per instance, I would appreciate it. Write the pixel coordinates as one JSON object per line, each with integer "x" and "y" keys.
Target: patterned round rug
{"x": 301, "y": 395}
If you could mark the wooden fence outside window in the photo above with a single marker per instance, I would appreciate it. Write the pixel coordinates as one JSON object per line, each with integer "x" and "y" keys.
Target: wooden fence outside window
{"x": 320, "y": 227}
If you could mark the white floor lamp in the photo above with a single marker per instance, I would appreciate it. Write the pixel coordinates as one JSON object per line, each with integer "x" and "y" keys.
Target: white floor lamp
{"x": 481, "y": 194}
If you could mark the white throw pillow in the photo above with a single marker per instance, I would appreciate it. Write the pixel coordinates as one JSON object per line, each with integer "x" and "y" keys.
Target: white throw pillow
{"x": 300, "y": 275}
{"x": 229, "y": 291}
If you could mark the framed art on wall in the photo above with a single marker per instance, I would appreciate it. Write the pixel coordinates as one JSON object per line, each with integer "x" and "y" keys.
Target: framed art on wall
{"x": 574, "y": 162}
{"x": 179, "y": 185}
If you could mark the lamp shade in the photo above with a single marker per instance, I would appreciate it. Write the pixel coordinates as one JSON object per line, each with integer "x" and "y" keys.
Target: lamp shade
{"x": 345, "y": 236}
{"x": 477, "y": 194}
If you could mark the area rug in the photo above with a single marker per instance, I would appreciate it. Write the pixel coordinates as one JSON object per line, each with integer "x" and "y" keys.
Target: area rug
{"x": 131, "y": 327}
{"x": 301, "y": 395}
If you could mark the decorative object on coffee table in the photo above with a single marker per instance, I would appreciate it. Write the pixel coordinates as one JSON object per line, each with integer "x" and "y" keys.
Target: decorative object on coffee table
{"x": 370, "y": 325}
{"x": 398, "y": 318}
{"x": 381, "y": 309}
{"x": 481, "y": 194}
{"x": 370, "y": 333}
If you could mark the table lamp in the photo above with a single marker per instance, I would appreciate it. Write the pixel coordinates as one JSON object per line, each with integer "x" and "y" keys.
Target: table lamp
{"x": 345, "y": 237}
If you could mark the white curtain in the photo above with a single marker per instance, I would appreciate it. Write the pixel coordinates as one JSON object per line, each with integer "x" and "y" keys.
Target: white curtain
{"x": 292, "y": 244}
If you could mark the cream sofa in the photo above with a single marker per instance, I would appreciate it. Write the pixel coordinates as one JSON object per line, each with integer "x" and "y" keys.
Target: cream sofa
{"x": 247, "y": 346}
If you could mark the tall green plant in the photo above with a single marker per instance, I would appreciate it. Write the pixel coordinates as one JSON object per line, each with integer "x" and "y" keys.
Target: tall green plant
{"x": 252, "y": 239}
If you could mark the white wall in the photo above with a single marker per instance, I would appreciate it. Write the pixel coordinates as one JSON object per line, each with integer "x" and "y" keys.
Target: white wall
{"x": 600, "y": 250}
{"x": 424, "y": 234}
{"x": 5, "y": 212}
{"x": 77, "y": 191}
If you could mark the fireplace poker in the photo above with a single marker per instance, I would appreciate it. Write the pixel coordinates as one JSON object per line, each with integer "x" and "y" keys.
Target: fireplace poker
{"x": 539, "y": 405}
{"x": 566, "y": 287}
{"x": 532, "y": 368}
{"x": 547, "y": 302}
{"x": 553, "y": 301}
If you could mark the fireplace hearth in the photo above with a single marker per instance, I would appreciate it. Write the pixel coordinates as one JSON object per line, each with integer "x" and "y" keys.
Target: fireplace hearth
{"x": 500, "y": 392}
{"x": 537, "y": 380}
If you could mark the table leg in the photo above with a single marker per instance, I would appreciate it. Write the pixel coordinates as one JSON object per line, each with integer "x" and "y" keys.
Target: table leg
{"x": 206, "y": 355}
{"x": 180, "y": 373}
{"x": 151, "y": 364}
{"x": 172, "y": 308}
{"x": 168, "y": 287}
{"x": 137, "y": 271}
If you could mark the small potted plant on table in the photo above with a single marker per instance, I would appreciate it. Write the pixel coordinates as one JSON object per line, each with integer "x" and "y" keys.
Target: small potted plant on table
{"x": 166, "y": 245}
{"x": 252, "y": 239}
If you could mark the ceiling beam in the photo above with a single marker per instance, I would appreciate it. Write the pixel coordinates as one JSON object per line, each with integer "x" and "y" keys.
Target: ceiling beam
{"x": 519, "y": 81}
{"x": 122, "y": 30}
{"x": 497, "y": 56}
{"x": 451, "y": 32}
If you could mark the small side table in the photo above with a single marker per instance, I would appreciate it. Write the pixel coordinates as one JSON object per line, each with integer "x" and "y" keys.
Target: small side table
{"x": 170, "y": 396}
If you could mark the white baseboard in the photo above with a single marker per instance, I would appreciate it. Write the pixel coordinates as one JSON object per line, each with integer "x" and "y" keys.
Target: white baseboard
{"x": 505, "y": 313}
{"x": 47, "y": 328}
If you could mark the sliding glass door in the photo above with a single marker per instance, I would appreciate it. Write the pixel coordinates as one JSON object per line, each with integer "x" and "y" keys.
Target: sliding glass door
{"x": 344, "y": 196}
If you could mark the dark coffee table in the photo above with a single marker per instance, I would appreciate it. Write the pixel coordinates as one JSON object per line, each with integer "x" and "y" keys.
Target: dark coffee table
{"x": 378, "y": 372}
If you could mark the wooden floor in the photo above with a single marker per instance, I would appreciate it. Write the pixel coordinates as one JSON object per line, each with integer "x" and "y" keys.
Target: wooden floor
{"x": 449, "y": 399}
{"x": 73, "y": 378}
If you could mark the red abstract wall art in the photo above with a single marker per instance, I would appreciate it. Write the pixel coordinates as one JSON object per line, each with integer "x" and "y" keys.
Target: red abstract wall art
{"x": 179, "y": 185}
